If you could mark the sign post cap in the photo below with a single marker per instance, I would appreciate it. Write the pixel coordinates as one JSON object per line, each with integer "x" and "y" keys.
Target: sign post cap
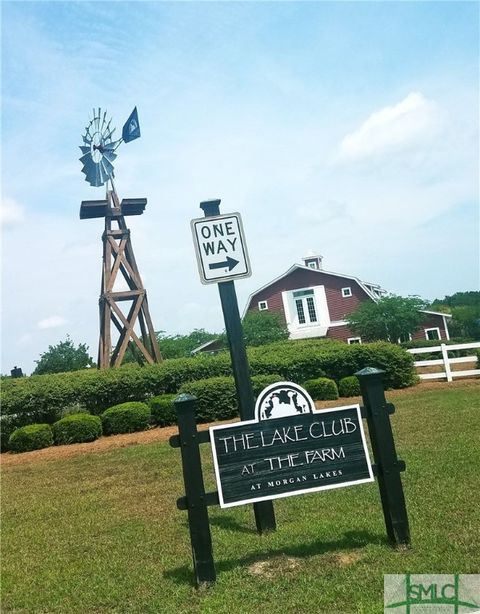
{"x": 369, "y": 371}
{"x": 211, "y": 207}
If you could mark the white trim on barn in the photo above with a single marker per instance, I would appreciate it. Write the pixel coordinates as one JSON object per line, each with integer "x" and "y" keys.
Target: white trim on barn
{"x": 309, "y": 328}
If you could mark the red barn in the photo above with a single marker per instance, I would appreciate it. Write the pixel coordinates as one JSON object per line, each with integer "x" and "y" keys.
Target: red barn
{"x": 314, "y": 303}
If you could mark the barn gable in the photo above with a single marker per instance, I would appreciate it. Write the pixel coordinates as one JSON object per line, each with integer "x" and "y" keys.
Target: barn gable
{"x": 315, "y": 303}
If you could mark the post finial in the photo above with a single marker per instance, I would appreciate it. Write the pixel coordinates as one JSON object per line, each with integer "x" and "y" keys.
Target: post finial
{"x": 369, "y": 371}
{"x": 211, "y": 207}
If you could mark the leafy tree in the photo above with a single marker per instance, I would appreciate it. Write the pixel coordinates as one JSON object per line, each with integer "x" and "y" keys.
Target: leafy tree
{"x": 262, "y": 327}
{"x": 64, "y": 357}
{"x": 459, "y": 299}
{"x": 389, "y": 319}
{"x": 177, "y": 346}
{"x": 465, "y": 310}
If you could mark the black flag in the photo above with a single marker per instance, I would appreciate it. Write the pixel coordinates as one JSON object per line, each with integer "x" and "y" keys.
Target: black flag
{"x": 131, "y": 129}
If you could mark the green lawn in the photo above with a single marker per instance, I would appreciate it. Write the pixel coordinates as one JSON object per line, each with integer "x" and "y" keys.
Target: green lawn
{"x": 101, "y": 532}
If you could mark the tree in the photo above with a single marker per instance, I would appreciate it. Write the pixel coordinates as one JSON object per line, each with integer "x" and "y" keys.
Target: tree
{"x": 262, "y": 327}
{"x": 64, "y": 357}
{"x": 389, "y": 319}
{"x": 465, "y": 310}
{"x": 176, "y": 346}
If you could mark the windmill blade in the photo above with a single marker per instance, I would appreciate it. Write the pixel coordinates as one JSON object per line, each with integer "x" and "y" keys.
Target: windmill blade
{"x": 84, "y": 150}
{"x": 109, "y": 155}
{"x": 108, "y": 135}
{"x": 103, "y": 173}
{"x": 86, "y": 159}
{"x": 89, "y": 170}
{"x": 109, "y": 146}
{"x": 98, "y": 181}
{"x": 107, "y": 166}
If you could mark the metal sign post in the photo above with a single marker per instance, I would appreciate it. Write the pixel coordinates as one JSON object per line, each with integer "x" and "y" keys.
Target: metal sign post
{"x": 263, "y": 510}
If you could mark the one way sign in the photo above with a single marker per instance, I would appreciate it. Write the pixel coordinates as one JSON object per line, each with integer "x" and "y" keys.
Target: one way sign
{"x": 220, "y": 248}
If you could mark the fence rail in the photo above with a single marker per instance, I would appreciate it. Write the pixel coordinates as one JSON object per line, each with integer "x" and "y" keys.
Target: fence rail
{"x": 446, "y": 361}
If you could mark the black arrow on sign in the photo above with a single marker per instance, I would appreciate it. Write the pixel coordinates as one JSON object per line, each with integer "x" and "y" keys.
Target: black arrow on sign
{"x": 229, "y": 263}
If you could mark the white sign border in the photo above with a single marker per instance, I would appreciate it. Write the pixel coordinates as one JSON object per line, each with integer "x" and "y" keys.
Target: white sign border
{"x": 371, "y": 477}
{"x": 196, "y": 245}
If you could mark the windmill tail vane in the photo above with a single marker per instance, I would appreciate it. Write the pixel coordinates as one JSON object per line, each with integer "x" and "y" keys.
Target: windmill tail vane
{"x": 98, "y": 149}
{"x": 131, "y": 129}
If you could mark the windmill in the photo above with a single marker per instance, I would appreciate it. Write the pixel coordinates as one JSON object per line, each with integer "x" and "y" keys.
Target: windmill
{"x": 98, "y": 154}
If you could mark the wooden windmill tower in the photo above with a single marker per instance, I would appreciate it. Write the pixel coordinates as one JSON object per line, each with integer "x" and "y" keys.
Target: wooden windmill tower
{"x": 118, "y": 259}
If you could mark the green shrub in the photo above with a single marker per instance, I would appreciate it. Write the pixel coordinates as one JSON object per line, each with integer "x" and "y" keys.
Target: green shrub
{"x": 321, "y": 389}
{"x": 126, "y": 418}
{"x": 349, "y": 386}
{"x": 216, "y": 398}
{"x": 7, "y": 426}
{"x": 77, "y": 428}
{"x": 163, "y": 410}
{"x": 31, "y": 437}
{"x": 259, "y": 382}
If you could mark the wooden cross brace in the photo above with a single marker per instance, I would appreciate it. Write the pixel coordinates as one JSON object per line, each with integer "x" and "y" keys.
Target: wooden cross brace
{"x": 118, "y": 257}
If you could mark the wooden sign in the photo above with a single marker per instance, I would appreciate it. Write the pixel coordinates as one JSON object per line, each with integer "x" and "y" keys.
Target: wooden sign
{"x": 289, "y": 449}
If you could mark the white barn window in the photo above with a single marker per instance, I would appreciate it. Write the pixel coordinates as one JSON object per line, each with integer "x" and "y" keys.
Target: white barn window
{"x": 346, "y": 292}
{"x": 262, "y": 305}
{"x": 432, "y": 334}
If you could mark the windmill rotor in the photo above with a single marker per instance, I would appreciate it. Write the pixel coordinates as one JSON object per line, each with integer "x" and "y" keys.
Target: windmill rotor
{"x": 99, "y": 146}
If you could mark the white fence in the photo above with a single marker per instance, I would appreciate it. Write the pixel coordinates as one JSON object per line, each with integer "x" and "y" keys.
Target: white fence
{"x": 446, "y": 361}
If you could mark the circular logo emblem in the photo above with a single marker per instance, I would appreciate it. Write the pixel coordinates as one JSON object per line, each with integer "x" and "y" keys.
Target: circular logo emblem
{"x": 283, "y": 399}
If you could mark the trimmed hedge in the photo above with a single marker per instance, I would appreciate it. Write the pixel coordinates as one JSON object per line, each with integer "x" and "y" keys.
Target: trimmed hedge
{"x": 349, "y": 386}
{"x": 321, "y": 389}
{"x": 31, "y": 437}
{"x": 216, "y": 398}
{"x": 41, "y": 398}
{"x": 126, "y": 418}
{"x": 77, "y": 428}
{"x": 163, "y": 410}
{"x": 8, "y": 424}
{"x": 259, "y": 382}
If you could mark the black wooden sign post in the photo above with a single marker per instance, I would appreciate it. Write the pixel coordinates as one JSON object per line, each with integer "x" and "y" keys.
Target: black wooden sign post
{"x": 264, "y": 512}
{"x": 384, "y": 454}
{"x": 200, "y": 536}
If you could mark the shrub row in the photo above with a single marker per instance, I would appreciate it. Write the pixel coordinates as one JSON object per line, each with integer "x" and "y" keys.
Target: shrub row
{"x": 216, "y": 400}
{"x": 41, "y": 398}
{"x": 81, "y": 428}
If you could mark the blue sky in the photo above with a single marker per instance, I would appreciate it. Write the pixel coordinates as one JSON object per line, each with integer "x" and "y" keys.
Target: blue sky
{"x": 346, "y": 128}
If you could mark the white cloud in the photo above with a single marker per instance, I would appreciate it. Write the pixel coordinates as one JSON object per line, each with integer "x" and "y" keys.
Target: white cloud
{"x": 11, "y": 212}
{"x": 409, "y": 122}
{"x": 51, "y": 322}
